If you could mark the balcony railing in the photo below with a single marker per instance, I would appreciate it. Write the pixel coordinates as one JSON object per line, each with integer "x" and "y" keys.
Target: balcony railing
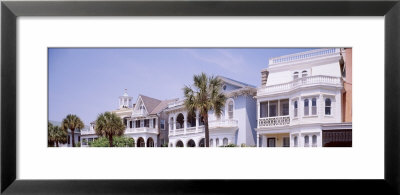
{"x": 300, "y": 82}
{"x": 304, "y": 55}
{"x": 222, "y": 123}
{"x": 274, "y": 121}
{"x": 137, "y": 113}
{"x": 90, "y": 132}
{"x": 141, "y": 130}
{"x": 175, "y": 103}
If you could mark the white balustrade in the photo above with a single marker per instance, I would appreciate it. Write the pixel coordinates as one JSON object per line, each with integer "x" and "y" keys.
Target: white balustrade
{"x": 300, "y": 82}
{"x": 274, "y": 121}
{"x": 304, "y": 55}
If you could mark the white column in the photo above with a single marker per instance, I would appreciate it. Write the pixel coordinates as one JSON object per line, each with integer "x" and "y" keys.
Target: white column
{"x": 156, "y": 123}
{"x": 258, "y": 112}
{"x": 197, "y": 122}
{"x": 184, "y": 125}
{"x": 174, "y": 125}
{"x": 258, "y": 139}
{"x": 264, "y": 140}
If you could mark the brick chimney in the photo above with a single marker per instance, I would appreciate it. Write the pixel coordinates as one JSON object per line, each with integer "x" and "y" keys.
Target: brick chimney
{"x": 264, "y": 77}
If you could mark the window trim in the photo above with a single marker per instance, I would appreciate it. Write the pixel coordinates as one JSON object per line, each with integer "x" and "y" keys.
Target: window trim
{"x": 227, "y": 108}
{"x": 330, "y": 106}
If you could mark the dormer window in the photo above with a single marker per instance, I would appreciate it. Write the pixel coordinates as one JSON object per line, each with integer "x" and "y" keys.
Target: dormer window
{"x": 304, "y": 73}
{"x": 295, "y": 75}
{"x": 224, "y": 87}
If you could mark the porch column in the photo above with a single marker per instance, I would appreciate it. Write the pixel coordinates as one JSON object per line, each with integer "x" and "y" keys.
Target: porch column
{"x": 258, "y": 139}
{"x": 127, "y": 123}
{"x": 184, "y": 125}
{"x": 279, "y": 108}
{"x": 156, "y": 127}
{"x": 264, "y": 140}
{"x": 197, "y": 122}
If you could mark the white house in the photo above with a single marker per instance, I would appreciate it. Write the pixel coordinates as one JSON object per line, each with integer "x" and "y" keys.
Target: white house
{"x": 300, "y": 98}
{"x": 145, "y": 122}
{"x": 236, "y": 125}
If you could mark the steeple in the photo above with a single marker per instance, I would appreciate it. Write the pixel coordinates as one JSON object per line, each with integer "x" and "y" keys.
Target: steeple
{"x": 125, "y": 101}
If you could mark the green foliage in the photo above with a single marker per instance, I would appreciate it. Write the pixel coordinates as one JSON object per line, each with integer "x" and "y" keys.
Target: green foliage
{"x": 164, "y": 145}
{"x": 118, "y": 141}
{"x": 230, "y": 145}
{"x": 109, "y": 124}
{"x": 55, "y": 135}
{"x": 78, "y": 144}
{"x": 72, "y": 122}
{"x": 205, "y": 96}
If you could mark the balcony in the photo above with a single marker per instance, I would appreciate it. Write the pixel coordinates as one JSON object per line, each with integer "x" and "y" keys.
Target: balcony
{"x": 225, "y": 123}
{"x": 300, "y": 82}
{"x": 273, "y": 121}
{"x": 141, "y": 130}
{"x": 139, "y": 113}
{"x": 90, "y": 132}
{"x": 305, "y": 56}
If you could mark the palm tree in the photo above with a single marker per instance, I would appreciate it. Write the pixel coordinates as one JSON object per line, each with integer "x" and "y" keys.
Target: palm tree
{"x": 60, "y": 136}
{"x": 72, "y": 122}
{"x": 109, "y": 124}
{"x": 50, "y": 135}
{"x": 204, "y": 97}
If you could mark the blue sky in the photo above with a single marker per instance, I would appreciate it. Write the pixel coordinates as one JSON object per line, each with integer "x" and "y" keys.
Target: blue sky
{"x": 88, "y": 81}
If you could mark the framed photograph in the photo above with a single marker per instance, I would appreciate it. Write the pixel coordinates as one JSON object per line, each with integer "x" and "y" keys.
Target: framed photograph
{"x": 199, "y": 97}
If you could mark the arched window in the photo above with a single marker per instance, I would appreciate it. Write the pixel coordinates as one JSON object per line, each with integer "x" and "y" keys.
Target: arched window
{"x": 230, "y": 109}
{"x": 306, "y": 107}
{"x": 295, "y": 141}
{"x": 295, "y": 108}
{"x": 217, "y": 142}
{"x": 314, "y": 106}
{"x": 225, "y": 141}
{"x": 211, "y": 143}
{"x": 314, "y": 141}
{"x": 304, "y": 73}
{"x": 328, "y": 106}
{"x": 306, "y": 141}
{"x": 295, "y": 75}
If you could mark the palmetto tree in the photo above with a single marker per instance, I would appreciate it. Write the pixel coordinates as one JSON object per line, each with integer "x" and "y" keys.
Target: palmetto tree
{"x": 205, "y": 96}
{"x": 50, "y": 135}
{"x": 60, "y": 136}
{"x": 72, "y": 122}
{"x": 109, "y": 124}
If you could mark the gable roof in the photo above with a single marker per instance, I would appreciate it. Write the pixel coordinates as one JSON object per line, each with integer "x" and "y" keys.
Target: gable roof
{"x": 149, "y": 103}
{"x": 160, "y": 107}
{"x": 235, "y": 82}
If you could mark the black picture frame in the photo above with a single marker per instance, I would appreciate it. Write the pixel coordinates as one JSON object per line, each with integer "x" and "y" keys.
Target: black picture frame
{"x": 10, "y": 10}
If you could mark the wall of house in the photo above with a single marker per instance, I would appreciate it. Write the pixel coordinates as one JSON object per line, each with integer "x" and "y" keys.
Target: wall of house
{"x": 348, "y": 83}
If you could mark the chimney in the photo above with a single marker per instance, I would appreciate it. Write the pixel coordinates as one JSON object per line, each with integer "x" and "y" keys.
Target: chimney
{"x": 264, "y": 77}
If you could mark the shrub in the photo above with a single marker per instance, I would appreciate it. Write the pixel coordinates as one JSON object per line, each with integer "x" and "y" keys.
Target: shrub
{"x": 118, "y": 141}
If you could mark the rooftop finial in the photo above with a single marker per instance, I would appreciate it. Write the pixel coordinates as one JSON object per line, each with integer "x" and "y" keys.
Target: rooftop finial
{"x": 126, "y": 93}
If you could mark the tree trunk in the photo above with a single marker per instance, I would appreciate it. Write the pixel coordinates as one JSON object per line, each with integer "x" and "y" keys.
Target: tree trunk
{"x": 56, "y": 143}
{"x": 207, "y": 140}
{"x": 73, "y": 137}
{"x": 110, "y": 140}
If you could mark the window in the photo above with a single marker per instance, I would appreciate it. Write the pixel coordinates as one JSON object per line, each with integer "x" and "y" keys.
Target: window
{"x": 295, "y": 75}
{"x": 295, "y": 141}
{"x": 146, "y": 122}
{"x": 154, "y": 123}
{"x": 84, "y": 142}
{"x": 304, "y": 73}
{"x": 327, "y": 106}
{"x": 162, "y": 124}
{"x": 263, "y": 109}
{"x": 284, "y": 108}
{"x": 224, "y": 87}
{"x": 211, "y": 142}
{"x": 306, "y": 141}
{"x": 225, "y": 141}
{"x": 272, "y": 110}
{"x": 137, "y": 124}
{"x": 69, "y": 139}
{"x": 130, "y": 124}
{"x": 286, "y": 142}
{"x": 295, "y": 108}
{"x": 314, "y": 141}
{"x": 306, "y": 107}
{"x": 90, "y": 139}
{"x": 314, "y": 106}
{"x": 217, "y": 142}
{"x": 79, "y": 138}
{"x": 230, "y": 109}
